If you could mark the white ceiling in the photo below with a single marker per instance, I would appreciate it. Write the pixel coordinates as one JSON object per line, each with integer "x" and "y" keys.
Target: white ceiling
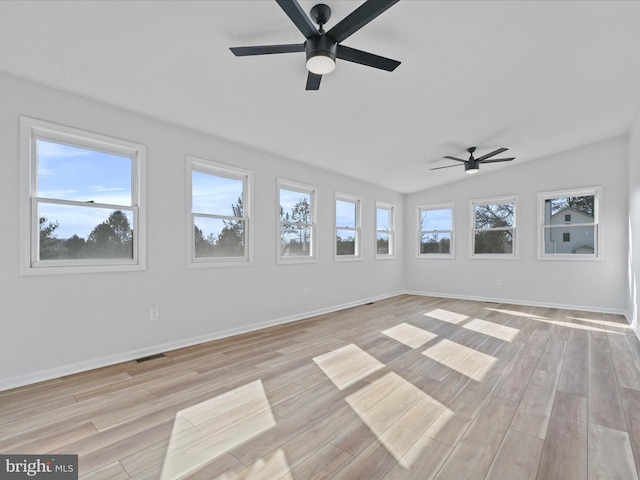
{"x": 536, "y": 77}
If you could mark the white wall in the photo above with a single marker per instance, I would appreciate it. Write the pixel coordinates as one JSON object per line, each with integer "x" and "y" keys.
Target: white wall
{"x": 58, "y": 324}
{"x": 593, "y": 285}
{"x": 633, "y": 298}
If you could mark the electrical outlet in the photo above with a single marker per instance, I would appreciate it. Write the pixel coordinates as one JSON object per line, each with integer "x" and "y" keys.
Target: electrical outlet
{"x": 306, "y": 292}
{"x": 154, "y": 314}
{"x": 499, "y": 283}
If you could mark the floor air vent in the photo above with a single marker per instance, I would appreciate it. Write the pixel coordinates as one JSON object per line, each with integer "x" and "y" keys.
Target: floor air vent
{"x": 150, "y": 357}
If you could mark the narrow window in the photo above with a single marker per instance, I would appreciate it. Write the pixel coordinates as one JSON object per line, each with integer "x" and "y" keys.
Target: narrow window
{"x": 385, "y": 230}
{"x": 347, "y": 217}
{"x": 219, "y": 216}
{"x": 435, "y": 231}
{"x": 296, "y": 222}
{"x": 494, "y": 228}
{"x": 568, "y": 224}
{"x": 84, "y": 196}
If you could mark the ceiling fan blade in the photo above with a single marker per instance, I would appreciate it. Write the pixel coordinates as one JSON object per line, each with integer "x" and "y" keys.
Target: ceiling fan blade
{"x": 365, "y": 58}
{"x": 495, "y": 152}
{"x": 454, "y": 158}
{"x": 267, "y": 49}
{"x": 358, "y": 18}
{"x": 313, "y": 81}
{"x": 496, "y": 160}
{"x": 294, "y": 11}
{"x": 448, "y": 166}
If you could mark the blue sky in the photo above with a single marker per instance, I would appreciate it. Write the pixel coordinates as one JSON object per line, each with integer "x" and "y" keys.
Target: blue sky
{"x": 436, "y": 219}
{"x": 72, "y": 173}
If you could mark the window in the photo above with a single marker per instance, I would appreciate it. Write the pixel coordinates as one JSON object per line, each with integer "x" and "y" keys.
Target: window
{"x": 219, "y": 214}
{"x": 569, "y": 224}
{"x": 435, "y": 231}
{"x": 385, "y": 233}
{"x": 494, "y": 228}
{"x": 83, "y": 207}
{"x": 297, "y": 222}
{"x": 347, "y": 215}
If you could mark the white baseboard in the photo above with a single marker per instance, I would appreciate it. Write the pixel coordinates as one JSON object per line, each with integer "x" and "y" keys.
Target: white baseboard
{"x": 70, "y": 369}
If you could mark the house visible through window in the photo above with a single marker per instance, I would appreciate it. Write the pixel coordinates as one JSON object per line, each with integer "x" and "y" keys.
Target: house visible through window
{"x": 85, "y": 200}
{"x": 296, "y": 222}
{"x": 219, "y": 223}
{"x": 569, "y": 224}
{"x": 347, "y": 209}
{"x": 435, "y": 231}
{"x": 494, "y": 227}
{"x": 385, "y": 231}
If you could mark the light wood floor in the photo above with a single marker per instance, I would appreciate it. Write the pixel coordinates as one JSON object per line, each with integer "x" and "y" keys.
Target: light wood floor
{"x": 409, "y": 387}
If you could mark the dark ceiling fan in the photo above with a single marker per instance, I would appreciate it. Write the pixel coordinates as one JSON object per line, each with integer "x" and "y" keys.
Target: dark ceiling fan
{"x": 472, "y": 165}
{"x": 322, "y": 48}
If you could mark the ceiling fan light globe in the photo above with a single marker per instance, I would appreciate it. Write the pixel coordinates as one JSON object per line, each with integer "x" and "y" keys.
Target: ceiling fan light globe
{"x": 321, "y": 64}
{"x": 471, "y": 171}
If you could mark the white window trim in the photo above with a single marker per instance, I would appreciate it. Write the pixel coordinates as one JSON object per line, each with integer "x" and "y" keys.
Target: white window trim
{"x": 32, "y": 129}
{"x": 312, "y": 191}
{"x": 345, "y": 197}
{"x": 452, "y": 247}
{"x": 577, "y": 192}
{"x": 472, "y": 216}
{"x": 391, "y": 232}
{"x": 222, "y": 170}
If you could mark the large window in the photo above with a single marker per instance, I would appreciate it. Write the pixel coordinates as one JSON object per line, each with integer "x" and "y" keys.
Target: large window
{"x": 435, "y": 231}
{"x": 219, "y": 219}
{"x": 385, "y": 230}
{"x": 568, "y": 224}
{"x": 83, "y": 204}
{"x": 347, "y": 216}
{"x": 296, "y": 222}
{"x": 494, "y": 228}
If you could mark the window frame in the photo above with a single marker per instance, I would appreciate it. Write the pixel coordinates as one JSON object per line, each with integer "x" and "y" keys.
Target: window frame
{"x": 514, "y": 255}
{"x": 357, "y": 229}
{"x": 597, "y": 239}
{"x": 210, "y": 167}
{"x": 32, "y": 130}
{"x": 430, "y": 207}
{"x": 391, "y": 232}
{"x": 307, "y": 189}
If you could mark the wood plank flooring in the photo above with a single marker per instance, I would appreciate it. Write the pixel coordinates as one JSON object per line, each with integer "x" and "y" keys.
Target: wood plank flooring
{"x": 407, "y": 388}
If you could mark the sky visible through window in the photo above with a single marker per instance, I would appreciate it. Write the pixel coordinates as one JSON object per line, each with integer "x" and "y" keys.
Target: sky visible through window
{"x": 67, "y": 172}
{"x": 382, "y": 218}
{"x": 435, "y": 219}
{"x": 345, "y": 214}
{"x": 215, "y": 195}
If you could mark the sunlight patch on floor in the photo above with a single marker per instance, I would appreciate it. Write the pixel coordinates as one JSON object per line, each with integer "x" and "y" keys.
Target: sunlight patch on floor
{"x": 220, "y": 424}
{"x": 603, "y": 323}
{"x": 501, "y": 332}
{"x": 347, "y": 365}
{"x": 462, "y": 359}
{"x": 410, "y": 335}
{"x": 577, "y": 326}
{"x": 397, "y": 412}
{"x": 515, "y": 313}
{"x": 446, "y": 316}
{"x": 269, "y": 467}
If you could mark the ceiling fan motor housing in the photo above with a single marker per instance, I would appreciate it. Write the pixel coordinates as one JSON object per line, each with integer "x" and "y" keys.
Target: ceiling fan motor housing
{"x": 320, "y": 45}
